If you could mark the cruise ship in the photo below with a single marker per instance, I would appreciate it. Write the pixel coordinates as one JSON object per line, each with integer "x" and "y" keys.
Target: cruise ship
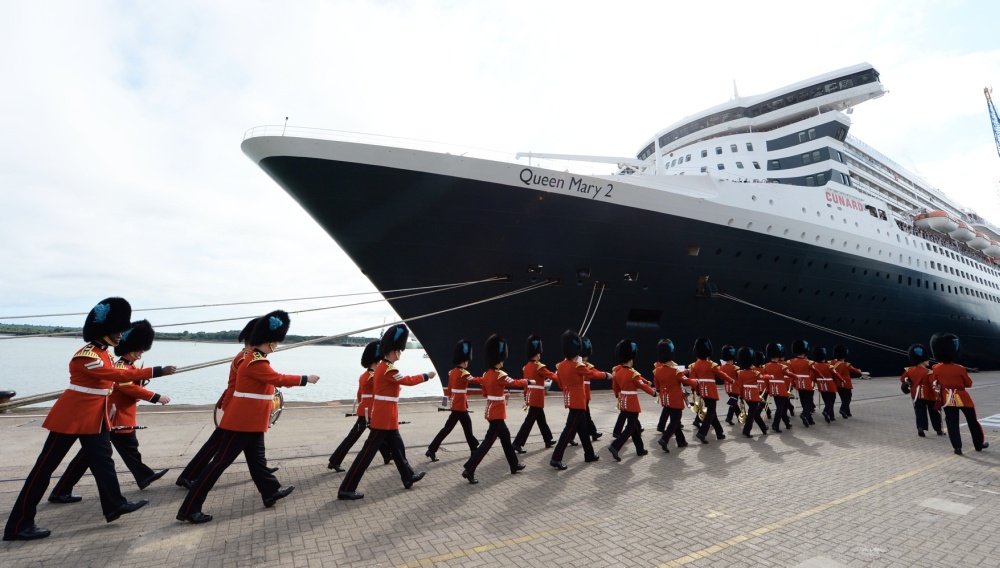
{"x": 760, "y": 219}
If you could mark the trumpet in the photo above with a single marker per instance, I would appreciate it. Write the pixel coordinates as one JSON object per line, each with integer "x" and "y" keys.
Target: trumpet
{"x": 743, "y": 412}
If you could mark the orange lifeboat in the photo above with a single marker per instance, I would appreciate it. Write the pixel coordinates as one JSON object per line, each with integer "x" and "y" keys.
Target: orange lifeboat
{"x": 939, "y": 221}
{"x": 963, "y": 233}
{"x": 979, "y": 242}
{"x": 992, "y": 250}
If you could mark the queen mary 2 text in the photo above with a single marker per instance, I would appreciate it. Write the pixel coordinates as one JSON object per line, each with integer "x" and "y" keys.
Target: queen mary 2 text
{"x": 575, "y": 184}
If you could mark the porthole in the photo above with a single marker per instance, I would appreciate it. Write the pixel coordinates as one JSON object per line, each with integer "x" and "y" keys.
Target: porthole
{"x": 810, "y": 263}
{"x": 776, "y": 258}
{"x": 747, "y": 285}
{"x": 817, "y": 293}
{"x": 817, "y": 213}
{"x": 718, "y": 251}
{"x": 750, "y": 224}
{"x": 738, "y": 253}
{"x": 785, "y": 233}
{"x": 803, "y": 235}
{"x": 803, "y": 209}
{"x": 758, "y": 256}
{"x": 831, "y": 241}
{"x": 753, "y": 198}
{"x": 800, "y": 290}
{"x": 770, "y": 202}
{"x": 817, "y": 238}
{"x": 769, "y": 227}
{"x": 826, "y": 265}
{"x": 730, "y": 222}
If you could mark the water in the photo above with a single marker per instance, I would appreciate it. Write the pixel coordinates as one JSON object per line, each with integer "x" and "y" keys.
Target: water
{"x": 40, "y": 364}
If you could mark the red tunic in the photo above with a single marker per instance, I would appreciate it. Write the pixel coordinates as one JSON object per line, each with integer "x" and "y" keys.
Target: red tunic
{"x": 630, "y": 382}
{"x": 123, "y": 398}
{"x": 824, "y": 377}
{"x": 250, "y": 408}
{"x": 494, "y": 383}
{"x": 593, "y": 377}
{"x": 921, "y": 383}
{"x": 732, "y": 371}
{"x": 227, "y": 394}
{"x": 388, "y": 383}
{"x": 803, "y": 371}
{"x": 83, "y": 406}
{"x": 571, "y": 375}
{"x": 458, "y": 388}
{"x": 364, "y": 397}
{"x": 702, "y": 375}
{"x": 953, "y": 380}
{"x": 780, "y": 380}
{"x": 668, "y": 379}
{"x": 536, "y": 373}
{"x": 843, "y": 371}
{"x": 749, "y": 382}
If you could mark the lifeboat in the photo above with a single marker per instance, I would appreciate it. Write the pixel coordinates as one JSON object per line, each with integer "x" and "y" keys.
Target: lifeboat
{"x": 979, "y": 242}
{"x": 963, "y": 233}
{"x": 937, "y": 221}
{"x": 992, "y": 250}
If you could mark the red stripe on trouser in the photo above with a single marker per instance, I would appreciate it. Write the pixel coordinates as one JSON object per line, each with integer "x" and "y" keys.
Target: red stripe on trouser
{"x": 27, "y": 488}
{"x": 372, "y": 430}
{"x": 204, "y": 476}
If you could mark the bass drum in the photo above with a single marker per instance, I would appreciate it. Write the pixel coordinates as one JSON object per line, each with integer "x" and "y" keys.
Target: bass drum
{"x": 277, "y": 405}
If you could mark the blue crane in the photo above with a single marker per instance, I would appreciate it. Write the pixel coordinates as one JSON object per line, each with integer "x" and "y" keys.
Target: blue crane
{"x": 993, "y": 117}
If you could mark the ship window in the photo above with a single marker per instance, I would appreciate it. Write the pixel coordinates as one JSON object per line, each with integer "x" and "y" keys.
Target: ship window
{"x": 718, "y": 149}
{"x": 816, "y": 156}
{"x": 821, "y": 179}
{"x": 918, "y": 282}
{"x": 750, "y": 146}
{"x": 687, "y": 158}
{"x": 802, "y": 136}
{"x": 935, "y": 286}
{"x": 704, "y": 153}
{"x": 812, "y": 133}
{"x": 810, "y": 181}
{"x": 739, "y": 165}
{"x": 721, "y": 166}
{"x": 732, "y": 147}
{"x": 840, "y": 157}
{"x": 756, "y": 166}
{"x": 673, "y": 162}
{"x": 774, "y": 165}
{"x": 805, "y": 160}
{"x": 704, "y": 169}
{"x": 841, "y": 134}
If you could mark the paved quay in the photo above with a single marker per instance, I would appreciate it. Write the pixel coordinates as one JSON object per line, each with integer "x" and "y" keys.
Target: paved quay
{"x": 860, "y": 492}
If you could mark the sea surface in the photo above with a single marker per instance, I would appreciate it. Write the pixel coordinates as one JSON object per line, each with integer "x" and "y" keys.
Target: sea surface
{"x": 39, "y": 365}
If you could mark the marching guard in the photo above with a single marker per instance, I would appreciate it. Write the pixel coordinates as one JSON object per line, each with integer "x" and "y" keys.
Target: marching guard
{"x": 918, "y": 382}
{"x": 629, "y": 382}
{"x": 704, "y": 375}
{"x": 536, "y": 374}
{"x": 81, "y": 413}
{"x": 571, "y": 375}
{"x": 122, "y": 402}
{"x": 459, "y": 380}
{"x": 384, "y": 427}
{"x": 369, "y": 357}
{"x": 668, "y": 379}
{"x": 247, "y": 419}
{"x": 801, "y": 367}
{"x": 826, "y": 383}
{"x": 728, "y": 357}
{"x": 845, "y": 386}
{"x": 953, "y": 380}
{"x": 495, "y": 382}
{"x": 749, "y": 383}
{"x": 779, "y": 384}
{"x": 585, "y": 352}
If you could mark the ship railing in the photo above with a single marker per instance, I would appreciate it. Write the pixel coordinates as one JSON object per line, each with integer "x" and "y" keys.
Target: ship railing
{"x": 573, "y": 166}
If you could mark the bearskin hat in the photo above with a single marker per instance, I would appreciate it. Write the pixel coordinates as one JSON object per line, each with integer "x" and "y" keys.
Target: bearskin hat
{"x": 702, "y": 348}
{"x": 496, "y": 350}
{"x": 271, "y": 328}
{"x": 626, "y": 351}
{"x": 571, "y": 344}
{"x": 370, "y": 355}
{"x": 139, "y": 337}
{"x": 819, "y": 353}
{"x": 533, "y": 346}
{"x": 244, "y": 335}
{"x": 463, "y": 352}
{"x": 665, "y": 351}
{"x": 745, "y": 357}
{"x": 775, "y": 350}
{"x": 945, "y": 347}
{"x": 759, "y": 358}
{"x": 840, "y": 352}
{"x": 800, "y": 347}
{"x": 110, "y": 316}
{"x": 587, "y": 349}
{"x": 727, "y": 353}
{"x": 917, "y": 354}
{"x": 394, "y": 339}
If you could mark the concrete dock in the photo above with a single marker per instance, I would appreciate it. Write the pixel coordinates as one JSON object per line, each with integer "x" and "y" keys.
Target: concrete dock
{"x": 866, "y": 491}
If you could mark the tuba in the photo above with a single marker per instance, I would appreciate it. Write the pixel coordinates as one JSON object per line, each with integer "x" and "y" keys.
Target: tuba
{"x": 743, "y": 412}
{"x": 697, "y": 406}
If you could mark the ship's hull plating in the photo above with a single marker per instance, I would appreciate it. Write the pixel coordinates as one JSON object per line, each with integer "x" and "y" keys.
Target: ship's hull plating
{"x": 407, "y": 228}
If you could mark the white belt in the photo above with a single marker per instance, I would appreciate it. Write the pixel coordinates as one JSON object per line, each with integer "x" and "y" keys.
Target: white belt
{"x": 495, "y": 398}
{"x": 586, "y": 382}
{"x": 366, "y": 396}
{"x": 387, "y": 398}
{"x": 254, "y": 395}
{"x": 453, "y": 391}
{"x": 705, "y": 380}
{"x": 630, "y": 392}
{"x": 751, "y": 386}
{"x": 802, "y": 376}
{"x": 99, "y": 392}
{"x": 536, "y": 387}
{"x": 776, "y": 381}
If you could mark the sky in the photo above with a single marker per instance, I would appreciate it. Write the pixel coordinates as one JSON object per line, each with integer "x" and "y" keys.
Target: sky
{"x": 120, "y": 164}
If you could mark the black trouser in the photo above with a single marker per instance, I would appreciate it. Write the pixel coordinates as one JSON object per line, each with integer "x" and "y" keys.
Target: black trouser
{"x": 456, "y": 417}
{"x": 376, "y": 438}
{"x": 535, "y": 414}
{"x": 781, "y": 406}
{"x": 497, "y": 429}
{"x": 231, "y": 445}
{"x": 591, "y": 429}
{"x": 734, "y": 408}
{"x": 204, "y": 455}
{"x": 338, "y": 455}
{"x": 845, "y": 400}
{"x": 631, "y": 430}
{"x": 711, "y": 419}
{"x": 674, "y": 428}
{"x": 661, "y": 424}
{"x": 808, "y": 406}
{"x": 829, "y": 399}
{"x": 976, "y": 429}
{"x": 619, "y": 424}
{"x": 924, "y": 408}
{"x": 96, "y": 448}
{"x": 753, "y": 415}
{"x": 128, "y": 450}
{"x": 575, "y": 420}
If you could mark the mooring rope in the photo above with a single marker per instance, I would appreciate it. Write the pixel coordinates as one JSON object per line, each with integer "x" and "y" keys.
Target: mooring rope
{"x": 861, "y": 340}
{"x": 583, "y": 333}
{"x": 55, "y": 394}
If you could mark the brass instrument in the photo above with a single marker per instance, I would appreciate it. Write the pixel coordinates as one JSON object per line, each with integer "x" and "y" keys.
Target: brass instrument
{"x": 698, "y": 405}
{"x": 743, "y": 412}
